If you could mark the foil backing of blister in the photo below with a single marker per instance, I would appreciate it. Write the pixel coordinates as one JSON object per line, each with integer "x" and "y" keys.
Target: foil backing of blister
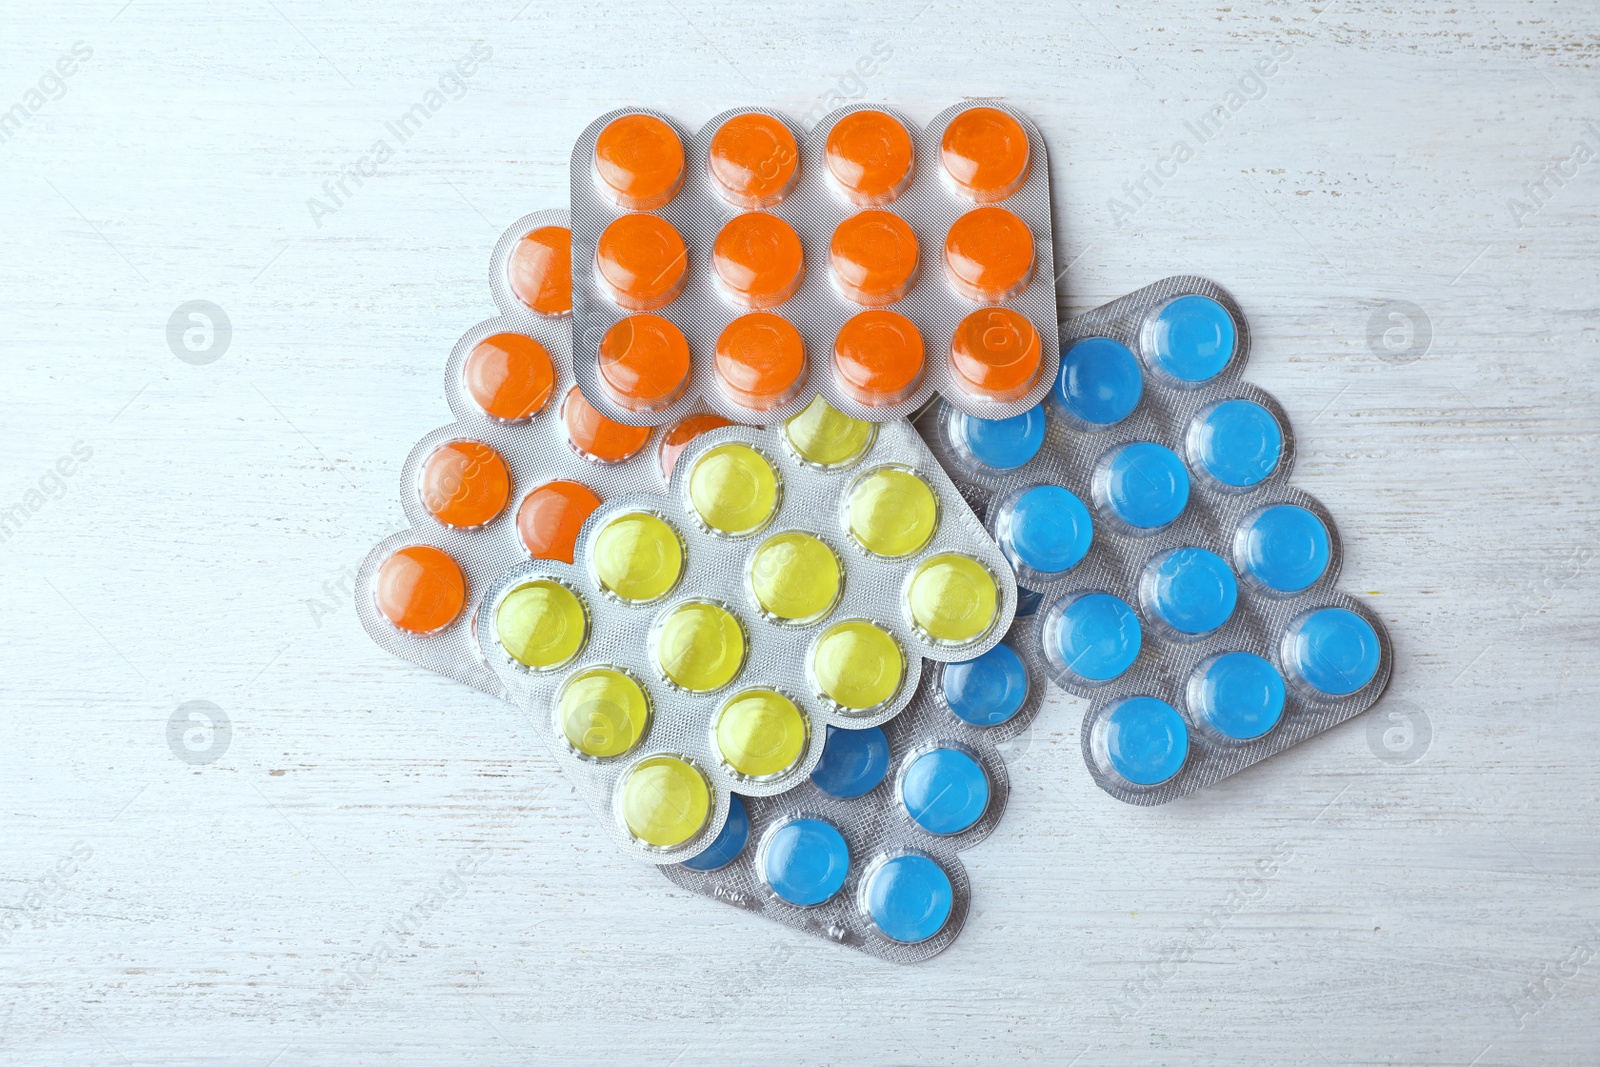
{"x": 777, "y": 654}
{"x": 817, "y": 309}
{"x": 1116, "y": 560}
{"x": 876, "y": 826}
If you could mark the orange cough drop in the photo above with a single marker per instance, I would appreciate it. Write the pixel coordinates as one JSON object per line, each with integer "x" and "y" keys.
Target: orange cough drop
{"x": 540, "y": 271}
{"x": 874, "y": 258}
{"x": 995, "y": 355}
{"x": 878, "y": 357}
{"x": 638, "y": 161}
{"x": 761, "y": 361}
{"x": 988, "y": 255}
{"x": 758, "y": 260}
{"x": 753, "y": 160}
{"x": 551, "y": 516}
{"x": 642, "y": 262}
{"x": 595, "y": 437}
{"x": 509, "y": 376}
{"x": 985, "y": 153}
{"x": 420, "y": 589}
{"x": 644, "y": 363}
{"x": 464, "y": 483}
{"x": 869, "y": 155}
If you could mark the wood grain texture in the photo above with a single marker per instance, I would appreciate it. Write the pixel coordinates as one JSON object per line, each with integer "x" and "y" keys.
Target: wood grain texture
{"x": 1327, "y": 906}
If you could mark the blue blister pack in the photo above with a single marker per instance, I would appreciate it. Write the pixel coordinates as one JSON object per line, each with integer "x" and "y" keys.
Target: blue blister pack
{"x": 1185, "y": 588}
{"x": 866, "y": 853}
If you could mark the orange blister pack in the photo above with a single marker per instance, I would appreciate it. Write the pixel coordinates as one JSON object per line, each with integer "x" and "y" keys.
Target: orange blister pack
{"x": 747, "y": 268}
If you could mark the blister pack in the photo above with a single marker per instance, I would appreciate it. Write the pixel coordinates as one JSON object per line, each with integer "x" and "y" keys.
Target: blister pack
{"x": 514, "y": 477}
{"x": 865, "y": 853}
{"x": 703, "y": 641}
{"x": 1186, "y": 589}
{"x": 748, "y": 268}
{"x": 522, "y": 431}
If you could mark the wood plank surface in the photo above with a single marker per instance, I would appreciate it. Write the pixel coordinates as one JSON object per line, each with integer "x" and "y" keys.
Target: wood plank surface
{"x": 1418, "y": 886}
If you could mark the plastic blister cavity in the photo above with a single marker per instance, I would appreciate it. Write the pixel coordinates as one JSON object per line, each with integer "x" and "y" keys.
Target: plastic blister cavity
{"x": 703, "y": 640}
{"x": 866, "y": 852}
{"x": 1186, "y": 589}
{"x": 747, "y": 267}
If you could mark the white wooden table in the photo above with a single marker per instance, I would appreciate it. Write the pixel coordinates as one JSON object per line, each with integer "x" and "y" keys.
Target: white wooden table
{"x": 1418, "y": 886}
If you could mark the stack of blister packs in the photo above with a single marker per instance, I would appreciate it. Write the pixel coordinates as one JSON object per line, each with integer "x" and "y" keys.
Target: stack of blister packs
{"x": 684, "y": 521}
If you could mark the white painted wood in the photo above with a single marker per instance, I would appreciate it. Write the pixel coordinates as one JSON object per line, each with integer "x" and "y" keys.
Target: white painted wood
{"x": 1328, "y": 906}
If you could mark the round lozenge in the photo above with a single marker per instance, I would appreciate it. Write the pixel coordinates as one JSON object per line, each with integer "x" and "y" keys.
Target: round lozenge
{"x": 596, "y": 438}
{"x": 805, "y": 861}
{"x": 1141, "y": 740}
{"x": 999, "y": 444}
{"x": 995, "y": 355}
{"x": 638, "y": 557}
{"x": 1094, "y": 637}
{"x": 1283, "y": 549}
{"x": 638, "y": 162}
{"x": 878, "y": 358}
{"x": 602, "y": 713}
{"x": 541, "y": 624}
{"x": 760, "y": 734}
{"x": 733, "y": 489}
{"x": 944, "y": 791}
{"x": 1191, "y": 591}
{"x": 988, "y": 255}
{"x": 664, "y": 801}
{"x": 760, "y": 361}
{"x": 1099, "y": 384}
{"x": 869, "y": 156}
{"x": 758, "y": 260}
{"x": 641, "y": 262}
{"x": 550, "y": 518}
{"x": 540, "y": 271}
{"x": 988, "y": 690}
{"x": 753, "y": 160}
{"x": 643, "y": 363}
{"x": 1046, "y": 530}
{"x": 1143, "y": 486}
{"x": 420, "y": 589}
{"x": 1331, "y": 651}
{"x": 699, "y": 646}
{"x": 464, "y": 483}
{"x": 1238, "y": 695}
{"x": 858, "y": 666}
{"x": 874, "y": 256}
{"x": 908, "y": 897}
{"x": 826, "y": 437}
{"x": 985, "y": 153}
{"x": 1189, "y": 340}
{"x": 509, "y": 376}
{"x": 952, "y": 599}
{"x": 1237, "y": 443}
{"x": 795, "y": 577}
{"x": 891, "y": 512}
